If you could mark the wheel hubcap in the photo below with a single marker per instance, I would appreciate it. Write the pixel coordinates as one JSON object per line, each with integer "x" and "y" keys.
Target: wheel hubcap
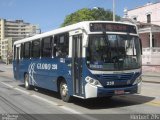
{"x": 26, "y": 83}
{"x": 64, "y": 90}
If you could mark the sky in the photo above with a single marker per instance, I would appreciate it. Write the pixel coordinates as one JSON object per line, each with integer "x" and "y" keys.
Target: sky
{"x": 50, "y": 14}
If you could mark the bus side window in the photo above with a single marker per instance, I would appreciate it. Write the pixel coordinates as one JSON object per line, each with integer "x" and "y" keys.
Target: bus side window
{"x": 21, "y": 56}
{"x": 47, "y": 47}
{"x": 55, "y": 46}
{"x": 61, "y": 45}
{"x": 36, "y": 48}
{"x": 14, "y": 52}
{"x": 26, "y": 50}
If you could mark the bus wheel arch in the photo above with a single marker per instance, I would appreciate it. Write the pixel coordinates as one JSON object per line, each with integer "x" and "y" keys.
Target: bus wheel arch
{"x": 63, "y": 89}
{"x": 24, "y": 75}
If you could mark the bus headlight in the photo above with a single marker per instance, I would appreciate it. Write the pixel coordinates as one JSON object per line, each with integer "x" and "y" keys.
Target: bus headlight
{"x": 93, "y": 82}
{"x": 138, "y": 80}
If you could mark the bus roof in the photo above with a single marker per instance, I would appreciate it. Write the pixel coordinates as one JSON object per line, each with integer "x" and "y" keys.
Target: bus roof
{"x": 80, "y": 25}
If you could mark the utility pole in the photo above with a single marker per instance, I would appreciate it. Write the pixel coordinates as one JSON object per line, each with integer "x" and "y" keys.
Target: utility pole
{"x": 113, "y": 10}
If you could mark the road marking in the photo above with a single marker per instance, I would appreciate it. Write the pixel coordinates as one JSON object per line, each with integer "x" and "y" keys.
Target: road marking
{"x": 69, "y": 110}
{"x": 7, "y": 85}
{"x": 43, "y": 99}
{"x": 28, "y": 93}
{"x": 154, "y": 103}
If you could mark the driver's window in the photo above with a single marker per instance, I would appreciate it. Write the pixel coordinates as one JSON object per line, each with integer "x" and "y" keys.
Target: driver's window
{"x": 61, "y": 45}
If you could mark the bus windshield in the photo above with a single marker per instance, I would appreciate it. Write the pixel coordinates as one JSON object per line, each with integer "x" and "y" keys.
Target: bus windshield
{"x": 113, "y": 52}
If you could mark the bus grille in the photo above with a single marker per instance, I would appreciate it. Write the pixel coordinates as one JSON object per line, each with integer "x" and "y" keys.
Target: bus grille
{"x": 126, "y": 76}
{"x": 119, "y": 79}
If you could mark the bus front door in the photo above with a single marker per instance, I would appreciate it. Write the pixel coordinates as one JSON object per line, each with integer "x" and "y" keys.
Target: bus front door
{"x": 77, "y": 64}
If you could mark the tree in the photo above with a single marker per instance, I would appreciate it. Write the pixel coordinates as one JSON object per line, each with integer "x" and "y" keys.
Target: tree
{"x": 86, "y": 14}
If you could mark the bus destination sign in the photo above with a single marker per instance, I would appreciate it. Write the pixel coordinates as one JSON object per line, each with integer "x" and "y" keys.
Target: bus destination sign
{"x": 112, "y": 27}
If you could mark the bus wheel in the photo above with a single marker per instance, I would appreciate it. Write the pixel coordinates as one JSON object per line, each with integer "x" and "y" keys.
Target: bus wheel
{"x": 64, "y": 92}
{"x": 26, "y": 82}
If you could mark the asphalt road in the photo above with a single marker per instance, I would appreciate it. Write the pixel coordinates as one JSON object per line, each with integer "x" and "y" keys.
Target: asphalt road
{"x": 43, "y": 104}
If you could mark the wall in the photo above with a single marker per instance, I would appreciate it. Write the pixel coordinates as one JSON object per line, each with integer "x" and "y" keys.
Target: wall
{"x": 145, "y": 39}
{"x": 141, "y": 13}
{"x": 151, "y": 56}
{"x": 146, "y": 42}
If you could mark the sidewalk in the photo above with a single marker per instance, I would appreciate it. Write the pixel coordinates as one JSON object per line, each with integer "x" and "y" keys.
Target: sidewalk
{"x": 151, "y": 74}
{"x": 6, "y": 75}
{"x": 6, "y": 70}
{"x": 151, "y": 71}
{"x": 150, "y": 78}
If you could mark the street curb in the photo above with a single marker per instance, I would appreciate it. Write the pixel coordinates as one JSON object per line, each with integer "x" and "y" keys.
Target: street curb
{"x": 151, "y": 75}
{"x": 151, "y": 81}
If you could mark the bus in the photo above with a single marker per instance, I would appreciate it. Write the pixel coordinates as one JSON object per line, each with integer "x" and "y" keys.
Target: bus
{"x": 87, "y": 60}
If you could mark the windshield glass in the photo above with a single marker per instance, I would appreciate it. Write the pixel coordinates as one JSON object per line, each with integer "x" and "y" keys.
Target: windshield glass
{"x": 113, "y": 52}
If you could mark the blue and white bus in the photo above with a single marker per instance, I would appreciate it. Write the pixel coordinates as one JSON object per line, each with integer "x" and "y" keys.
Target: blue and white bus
{"x": 86, "y": 60}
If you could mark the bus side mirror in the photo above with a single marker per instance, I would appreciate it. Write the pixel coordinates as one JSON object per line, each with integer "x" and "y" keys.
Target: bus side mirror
{"x": 140, "y": 41}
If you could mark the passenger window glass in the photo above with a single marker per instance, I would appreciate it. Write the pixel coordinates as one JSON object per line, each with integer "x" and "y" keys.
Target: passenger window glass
{"x": 36, "y": 49}
{"x": 61, "y": 45}
{"x": 21, "y": 56}
{"x": 61, "y": 39}
{"x": 47, "y": 47}
{"x": 27, "y": 50}
{"x": 14, "y": 52}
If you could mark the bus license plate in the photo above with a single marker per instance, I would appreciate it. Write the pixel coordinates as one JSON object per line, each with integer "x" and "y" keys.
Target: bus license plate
{"x": 119, "y": 92}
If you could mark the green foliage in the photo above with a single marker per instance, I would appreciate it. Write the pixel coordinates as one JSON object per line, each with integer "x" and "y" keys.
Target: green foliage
{"x": 86, "y": 14}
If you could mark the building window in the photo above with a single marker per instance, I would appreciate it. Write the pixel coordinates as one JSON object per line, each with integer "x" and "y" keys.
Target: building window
{"x": 149, "y": 18}
{"x": 47, "y": 47}
{"x": 36, "y": 49}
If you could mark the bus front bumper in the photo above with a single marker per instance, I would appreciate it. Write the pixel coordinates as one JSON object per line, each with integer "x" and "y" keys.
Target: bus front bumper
{"x": 93, "y": 91}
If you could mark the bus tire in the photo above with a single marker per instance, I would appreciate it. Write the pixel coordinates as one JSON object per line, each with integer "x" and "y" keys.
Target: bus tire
{"x": 64, "y": 91}
{"x": 26, "y": 82}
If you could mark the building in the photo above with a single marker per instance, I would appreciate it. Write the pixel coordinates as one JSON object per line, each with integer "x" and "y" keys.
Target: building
{"x": 11, "y": 31}
{"x": 148, "y": 13}
{"x": 148, "y": 20}
{"x": 6, "y": 49}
